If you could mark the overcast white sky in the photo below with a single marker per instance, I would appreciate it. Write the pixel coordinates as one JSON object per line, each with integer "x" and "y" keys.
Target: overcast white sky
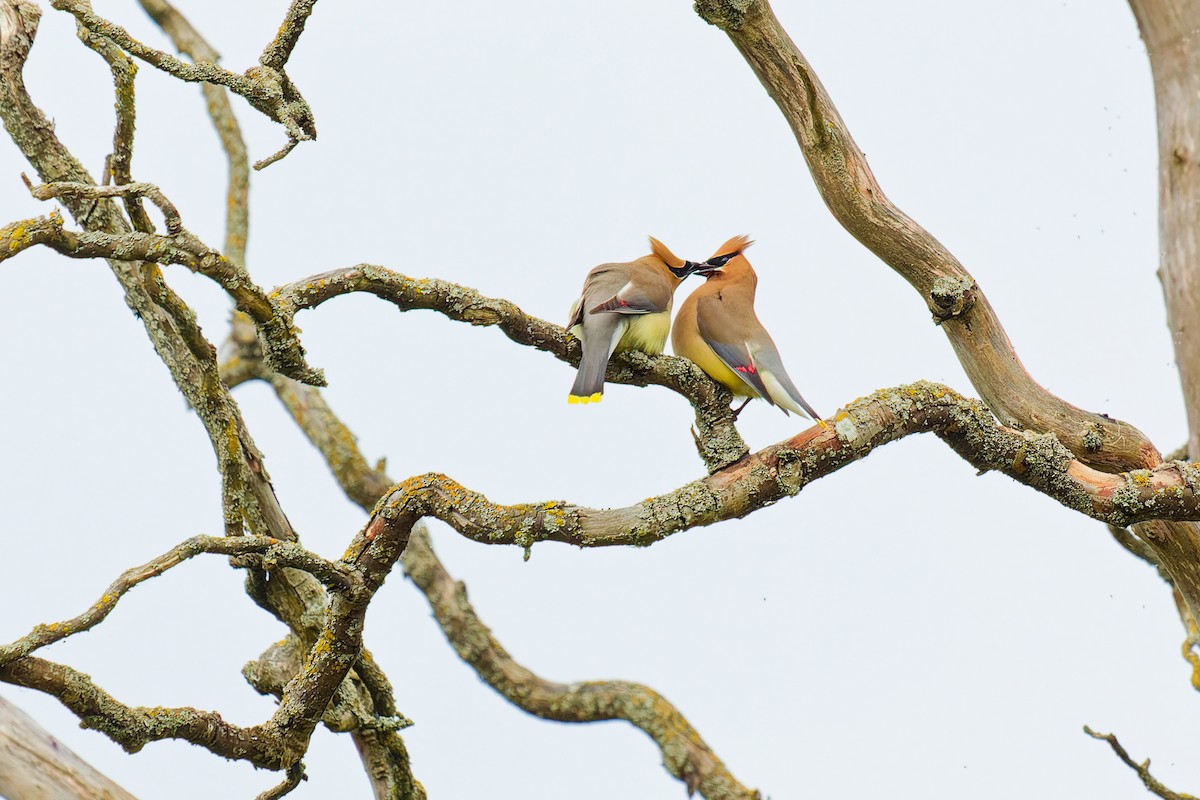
{"x": 902, "y": 627}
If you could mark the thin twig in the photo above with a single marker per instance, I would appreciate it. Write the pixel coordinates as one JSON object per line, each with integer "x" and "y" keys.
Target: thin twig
{"x": 278, "y": 155}
{"x": 295, "y": 774}
{"x": 276, "y": 553}
{"x": 149, "y": 191}
{"x": 188, "y": 40}
{"x": 1143, "y": 769}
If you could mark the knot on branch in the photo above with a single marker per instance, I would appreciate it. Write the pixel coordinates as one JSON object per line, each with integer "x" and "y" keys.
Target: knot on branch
{"x": 728, "y": 15}
{"x": 952, "y": 297}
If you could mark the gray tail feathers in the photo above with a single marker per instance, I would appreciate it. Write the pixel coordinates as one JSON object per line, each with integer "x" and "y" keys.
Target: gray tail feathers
{"x": 589, "y": 380}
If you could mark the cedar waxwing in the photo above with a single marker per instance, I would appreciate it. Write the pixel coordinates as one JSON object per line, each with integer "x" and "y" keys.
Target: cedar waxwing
{"x": 623, "y": 307}
{"x": 717, "y": 328}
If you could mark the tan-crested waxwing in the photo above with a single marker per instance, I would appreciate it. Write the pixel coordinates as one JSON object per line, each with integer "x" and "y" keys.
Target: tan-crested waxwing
{"x": 623, "y": 307}
{"x": 716, "y": 327}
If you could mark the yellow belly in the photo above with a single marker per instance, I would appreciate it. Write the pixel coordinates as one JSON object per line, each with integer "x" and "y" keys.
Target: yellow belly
{"x": 646, "y": 332}
{"x": 696, "y": 350}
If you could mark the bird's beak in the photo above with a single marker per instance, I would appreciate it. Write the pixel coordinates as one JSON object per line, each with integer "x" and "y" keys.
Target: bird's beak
{"x": 687, "y": 269}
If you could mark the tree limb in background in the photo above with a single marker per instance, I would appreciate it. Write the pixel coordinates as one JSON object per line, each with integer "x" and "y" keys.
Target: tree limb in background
{"x": 119, "y": 166}
{"x": 684, "y": 752}
{"x": 188, "y": 41}
{"x": 36, "y": 766}
{"x": 685, "y": 755}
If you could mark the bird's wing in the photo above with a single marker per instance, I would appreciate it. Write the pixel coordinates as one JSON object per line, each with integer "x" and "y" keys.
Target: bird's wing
{"x": 635, "y": 299}
{"x": 601, "y": 282}
{"x": 733, "y": 354}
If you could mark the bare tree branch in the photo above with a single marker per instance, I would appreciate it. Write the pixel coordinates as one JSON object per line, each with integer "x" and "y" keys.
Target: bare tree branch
{"x": 277, "y": 53}
{"x": 170, "y": 324}
{"x": 120, "y": 160}
{"x": 281, "y": 345}
{"x": 784, "y": 469}
{"x": 275, "y": 554}
{"x": 134, "y": 727}
{"x": 267, "y": 88}
{"x": 688, "y": 758}
{"x": 366, "y": 697}
{"x": 246, "y": 490}
{"x": 685, "y": 755}
{"x": 1137, "y": 548}
{"x": 1168, "y": 27}
{"x": 719, "y": 442}
{"x": 1143, "y": 769}
{"x": 188, "y": 41}
{"x": 856, "y": 200}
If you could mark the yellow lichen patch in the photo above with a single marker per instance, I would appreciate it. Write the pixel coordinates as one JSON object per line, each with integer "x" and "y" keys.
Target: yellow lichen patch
{"x": 18, "y": 236}
{"x": 1141, "y": 477}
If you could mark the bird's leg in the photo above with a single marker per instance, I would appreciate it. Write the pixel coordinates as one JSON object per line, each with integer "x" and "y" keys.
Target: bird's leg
{"x": 738, "y": 410}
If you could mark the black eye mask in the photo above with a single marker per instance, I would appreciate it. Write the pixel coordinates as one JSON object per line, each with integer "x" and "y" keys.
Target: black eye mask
{"x": 719, "y": 261}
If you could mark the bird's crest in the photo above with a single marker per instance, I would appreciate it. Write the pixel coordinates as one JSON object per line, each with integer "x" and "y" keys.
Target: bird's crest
{"x": 734, "y": 246}
{"x": 662, "y": 251}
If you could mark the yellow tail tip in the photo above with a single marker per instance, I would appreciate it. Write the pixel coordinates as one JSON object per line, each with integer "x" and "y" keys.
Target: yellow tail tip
{"x": 575, "y": 399}
{"x": 822, "y": 423}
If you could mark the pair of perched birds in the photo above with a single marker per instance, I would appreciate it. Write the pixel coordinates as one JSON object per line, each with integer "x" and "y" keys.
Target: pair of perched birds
{"x": 628, "y": 307}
